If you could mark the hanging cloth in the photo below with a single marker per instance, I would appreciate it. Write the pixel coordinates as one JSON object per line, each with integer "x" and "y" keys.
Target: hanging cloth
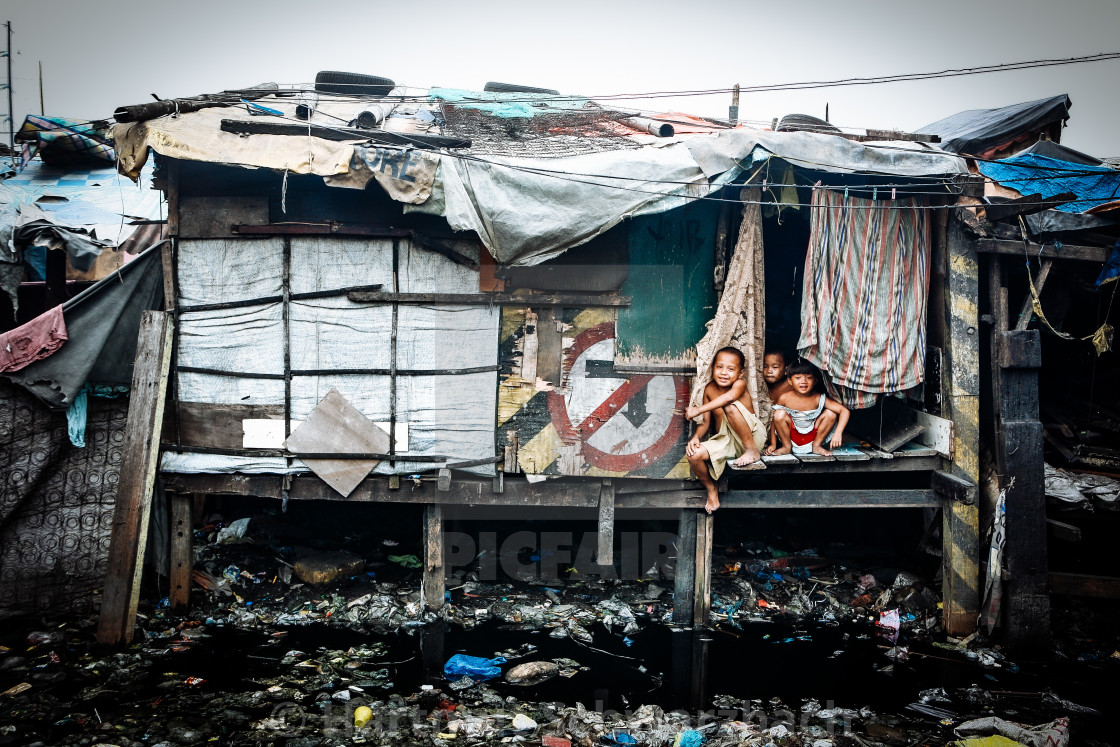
{"x": 863, "y": 310}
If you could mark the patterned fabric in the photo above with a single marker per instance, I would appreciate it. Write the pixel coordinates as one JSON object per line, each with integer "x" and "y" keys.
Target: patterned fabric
{"x": 863, "y": 310}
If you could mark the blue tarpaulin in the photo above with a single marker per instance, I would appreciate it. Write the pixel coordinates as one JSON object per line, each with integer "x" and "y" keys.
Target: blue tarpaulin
{"x": 1031, "y": 174}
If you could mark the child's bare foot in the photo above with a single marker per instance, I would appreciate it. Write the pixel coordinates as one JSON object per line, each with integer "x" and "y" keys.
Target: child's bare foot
{"x": 780, "y": 451}
{"x": 818, "y": 449}
{"x": 748, "y": 457}
{"x": 713, "y": 499}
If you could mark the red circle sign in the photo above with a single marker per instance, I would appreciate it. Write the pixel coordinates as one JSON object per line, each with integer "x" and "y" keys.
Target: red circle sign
{"x": 623, "y": 423}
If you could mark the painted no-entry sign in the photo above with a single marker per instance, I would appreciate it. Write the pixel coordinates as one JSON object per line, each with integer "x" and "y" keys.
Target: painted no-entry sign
{"x": 624, "y": 424}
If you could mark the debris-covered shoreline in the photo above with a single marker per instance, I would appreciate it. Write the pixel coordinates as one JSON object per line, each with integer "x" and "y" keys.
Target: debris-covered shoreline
{"x": 264, "y": 657}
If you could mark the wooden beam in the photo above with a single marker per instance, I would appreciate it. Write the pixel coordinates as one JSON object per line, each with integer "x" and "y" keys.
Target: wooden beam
{"x": 137, "y": 476}
{"x": 579, "y": 300}
{"x": 571, "y": 493}
{"x": 1019, "y": 348}
{"x": 1063, "y": 531}
{"x": 340, "y": 134}
{"x": 954, "y": 488}
{"x": 909, "y": 498}
{"x": 605, "y": 555}
{"x": 434, "y": 571}
{"x": 1026, "y": 313}
{"x": 684, "y": 573}
{"x": 1034, "y": 251}
{"x": 172, "y": 196}
{"x": 897, "y": 135}
{"x": 167, "y": 262}
{"x": 1081, "y": 585}
{"x": 182, "y": 533}
{"x": 550, "y": 344}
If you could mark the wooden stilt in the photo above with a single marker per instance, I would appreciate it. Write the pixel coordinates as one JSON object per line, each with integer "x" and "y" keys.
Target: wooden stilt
{"x": 605, "y": 555}
{"x": 961, "y": 403}
{"x": 180, "y": 560}
{"x": 702, "y": 591}
{"x": 1026, "y": 600}
{"x": 431, "y": 652}
{"x": 137, "y": 476}
{"x": 684, "y": 578}
{"x": 433, "y": 583}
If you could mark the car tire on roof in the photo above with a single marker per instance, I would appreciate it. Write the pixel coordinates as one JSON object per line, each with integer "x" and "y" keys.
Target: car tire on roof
{"x": 333, "y": 81}
{"x": 806, "y": 123}
{"x": 495, "y": 87}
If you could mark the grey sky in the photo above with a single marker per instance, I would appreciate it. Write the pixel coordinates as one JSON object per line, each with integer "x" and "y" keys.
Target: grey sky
{"x": 97, "y": 56}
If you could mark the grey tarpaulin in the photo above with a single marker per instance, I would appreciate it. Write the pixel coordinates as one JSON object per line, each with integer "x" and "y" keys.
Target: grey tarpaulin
{"x": 735, "y": 150}
{"x": 1059, "y": 152}
{"x": 977, "y": 130}
{"x": 528, "y": 210}
{"x": 102, "y": 323}
{"x": 1057, "y": 221}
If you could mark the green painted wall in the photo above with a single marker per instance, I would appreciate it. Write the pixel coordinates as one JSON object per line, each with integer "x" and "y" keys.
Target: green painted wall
{"x": 672, "y": 257}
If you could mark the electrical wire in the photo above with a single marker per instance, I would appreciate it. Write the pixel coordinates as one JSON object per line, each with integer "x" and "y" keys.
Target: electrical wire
{"x": 802, "y": 85}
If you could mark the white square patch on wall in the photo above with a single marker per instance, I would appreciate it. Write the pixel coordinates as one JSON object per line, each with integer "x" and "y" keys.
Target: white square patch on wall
{"x": 260, "y": 433}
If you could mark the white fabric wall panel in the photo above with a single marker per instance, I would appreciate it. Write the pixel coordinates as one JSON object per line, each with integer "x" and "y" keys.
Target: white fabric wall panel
{"x": 449, "y": 416}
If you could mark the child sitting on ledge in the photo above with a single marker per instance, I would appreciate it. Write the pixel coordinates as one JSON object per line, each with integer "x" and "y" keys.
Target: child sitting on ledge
{"x": 804, "y": 418}
{"x": 728, "y": 407}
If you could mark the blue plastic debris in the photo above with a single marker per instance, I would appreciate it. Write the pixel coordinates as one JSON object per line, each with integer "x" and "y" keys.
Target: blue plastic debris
{"x": 461, "y": 665}
{"x": 690, "y": 738}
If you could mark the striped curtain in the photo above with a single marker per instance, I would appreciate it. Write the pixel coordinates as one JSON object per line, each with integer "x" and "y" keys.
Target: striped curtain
{"x": 863, "y": 310}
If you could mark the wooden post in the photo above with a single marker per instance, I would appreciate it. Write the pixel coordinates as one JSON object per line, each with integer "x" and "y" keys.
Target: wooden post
{"x": 1026, "y": 610}
{"x": 961, "y": 400}
{"x": 180, "y": 555}
{"x": 137, "y": 476}
{"x": 431, "y": 651}
{"x": 605, "y": 555}
{"x": 684, "y": 575}
{"x": 1016, "y": 356}
{"x": 702, "y": 591}
{"x": 433, "y": 583}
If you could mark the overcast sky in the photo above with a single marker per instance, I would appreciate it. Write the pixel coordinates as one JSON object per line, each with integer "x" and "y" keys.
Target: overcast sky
{"x": 98, "y": 56}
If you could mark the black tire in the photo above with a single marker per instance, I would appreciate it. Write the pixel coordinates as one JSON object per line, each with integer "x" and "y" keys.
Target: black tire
{"x": 494, "y": 87}
{"x": 357, "y": 84}
{"x": 806, "y": 123}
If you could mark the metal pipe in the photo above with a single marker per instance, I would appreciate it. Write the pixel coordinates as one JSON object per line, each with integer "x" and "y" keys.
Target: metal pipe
{"x": 652, "y": 126}
{"x": 373, "y": 116}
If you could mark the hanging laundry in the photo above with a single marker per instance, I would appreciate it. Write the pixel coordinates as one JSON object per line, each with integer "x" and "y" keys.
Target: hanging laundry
{"x": 37, "y": 339}
{"x": 863, "y": 310}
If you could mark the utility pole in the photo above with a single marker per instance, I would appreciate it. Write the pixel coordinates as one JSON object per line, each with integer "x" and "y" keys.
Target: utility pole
{"x": 733, "y": 110}
{"x": 11, "y": 109}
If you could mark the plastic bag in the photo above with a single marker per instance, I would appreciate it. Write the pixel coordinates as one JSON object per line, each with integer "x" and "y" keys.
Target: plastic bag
{"x": 461, "y": 665}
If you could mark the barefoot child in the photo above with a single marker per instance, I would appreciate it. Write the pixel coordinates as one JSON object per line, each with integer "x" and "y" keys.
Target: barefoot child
{"x": 804, "y": 418}
{"x": 729, "y": 410}
{"x": 774, "y": 374}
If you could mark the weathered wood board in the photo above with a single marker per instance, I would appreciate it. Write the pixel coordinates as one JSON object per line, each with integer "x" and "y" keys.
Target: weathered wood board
{"x": 593, "y": 421}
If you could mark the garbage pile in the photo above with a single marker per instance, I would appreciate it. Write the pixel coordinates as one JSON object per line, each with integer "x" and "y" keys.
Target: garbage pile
{"x": 1069, "y": 490}
{"x": 308, "y": 645}
{"x": 172, "y": 691}
{"x": 758, "y": 582}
